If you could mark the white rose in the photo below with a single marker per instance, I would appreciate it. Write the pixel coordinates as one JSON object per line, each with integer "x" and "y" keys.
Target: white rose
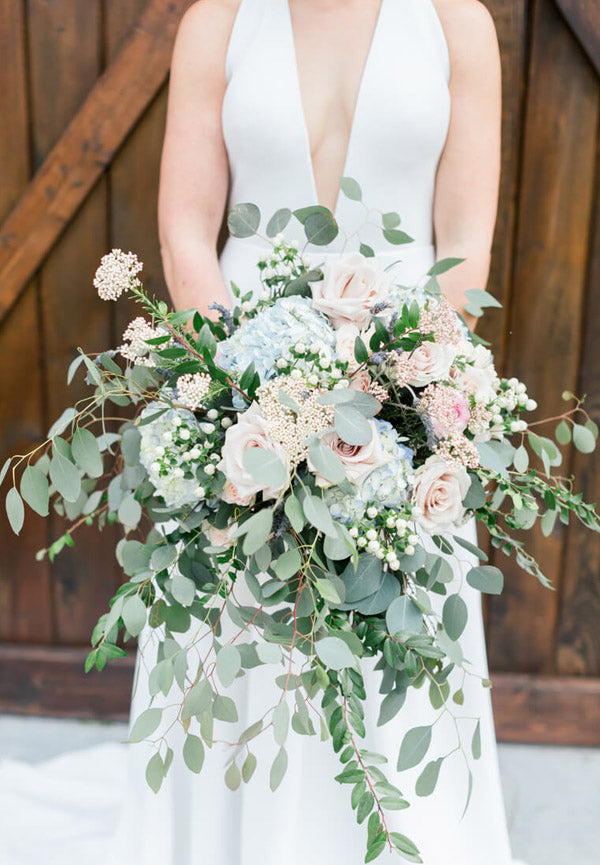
{"x": 351, "y": 285}
{"x": 479, "y": 377}
{"x": 438, "y": 492}
{"x": 358, "y": 460}
{"x": 345, "y": 337}
{"x": 430, "y": 362}
{"x": 250, "y": 431}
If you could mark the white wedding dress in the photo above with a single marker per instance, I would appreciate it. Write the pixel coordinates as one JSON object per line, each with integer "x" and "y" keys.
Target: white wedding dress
{"x": 398, "y": 133}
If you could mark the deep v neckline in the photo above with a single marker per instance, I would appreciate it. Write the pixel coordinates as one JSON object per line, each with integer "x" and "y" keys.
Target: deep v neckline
{"x": 357, "y": 103}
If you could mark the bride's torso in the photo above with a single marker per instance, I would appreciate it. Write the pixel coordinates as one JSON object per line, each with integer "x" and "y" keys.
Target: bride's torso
{"x": 392, "y": 121}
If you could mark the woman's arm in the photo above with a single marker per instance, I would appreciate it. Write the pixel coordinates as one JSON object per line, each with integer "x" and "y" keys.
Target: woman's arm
{"x": 194, "y": 170}
{"x": 466, "y": 196}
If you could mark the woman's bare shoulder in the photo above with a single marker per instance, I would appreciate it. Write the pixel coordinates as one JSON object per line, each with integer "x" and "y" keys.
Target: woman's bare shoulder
{"x": 469, "y": 28}
{"x": 206, "y": 24}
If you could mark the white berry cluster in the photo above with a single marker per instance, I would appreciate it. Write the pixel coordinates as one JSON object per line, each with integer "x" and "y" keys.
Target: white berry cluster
{"x": 176, "y": 449}
{"x": 512, "y": 398}
{"x": 192, "y": 389}
{"x": 386, "y": 535}
{"x": 135, "y": 346}
{"x": 283, "y": 262}
{"x": 313, "y": 363}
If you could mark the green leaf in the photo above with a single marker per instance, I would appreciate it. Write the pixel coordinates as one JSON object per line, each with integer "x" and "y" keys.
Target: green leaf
{"x": 248, "y": 767}
{"x": 390, "y": 219}
{"x": 496, "y": 456}
{"x": 233, "y": 777}
{"x": 583, "y": 439}
{"x": 327, "y": 590}
{"x": 145, "y": 725}
{"x": 415, "y": 745}
{"x": 265, "y": 467}
{"x": 197, "y": 699}
{"x": 193, "y": 753}
{"x": 365, "y": 806}
{"x": 243, "y": 219}
{"x": 393, "y": 235}
{"x": 224, "y": 709}
{"x": 454, "y": 616}
{"x": 278, "y": 768}
{"x": 325, "y": 461}
{"x": 281, "y": 722}
{"x": 563, "y": 433}
{"x": 288, "y": 564}
{"x": 427, "y": 780}
{"x": 130, "y": 511}
{"x": 130, "y": 446}
{"x": 443, "y": 265}
{"x": 404, "y": 844}
{"x": 521, "y": 459}
{"x": 294, "y": 513}
{"x": 163, "y": 557}
{"x": 364, "y": 580}
{"x": 471, "y": 548}
{"x": 317, "y": 514}
{"x": 34, "y": 489}
{"x": 229, "y": 662}
{"x": 134, "y": 614}
{"x": 366, "y": 250}
{"x": 403, "y": 615}
{"x": 257, "y": 529}
{"x": 381, "y": 599}
{"x": 334, "y": 653}
{"x": 183, "y": 589}
{"x": 62, "y": 423}
{"x": 65, "y": 477}
{"x": 476, "y": 742}
{"x": 390, "y": 706}
{"x": 360, "y": 351}
{"x": 320, "y": 229}
{"x": 486, "y": 578}
{"x": 350, "y": 188}
{"x": 476, "y": 496}
{"x": 278, "y": 221}
{"x": 15, "y": 510}
{"x": 482, "y": 299}
{"x": 352, "y": 426}
{"x": 155, "y": 772}
{"x": 86, "y": 452}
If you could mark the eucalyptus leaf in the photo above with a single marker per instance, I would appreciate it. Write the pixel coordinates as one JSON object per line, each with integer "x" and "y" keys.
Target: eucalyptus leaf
{"x": 34, "y": 490}
{"x": 352, "y": 426}
{"x": 278, "y": 768}
{"x": 325, "y": 462}
{"x": 193, "y": 753}
{"x": 334, "y": 653}
{"x": 243, "y": 219}
{"x": 145, "y": 724}
{"x": 15, "y": 510}
{"x": 228, "y": 664}
{"x": 86, "y": 452}
{"x": 65, "y": 477}
{"x": 134, "y": 614}
{"x": 278, "y": 221}
{"x": 350, "y": 188}
{"x": 265, "y": 467}
{"x": 427, "y": 780}
{"x": 486, "y": 578}
{"x": 454, "y": 616}
{"x": 415, "y": 745}
{"x": 403, "y": 615}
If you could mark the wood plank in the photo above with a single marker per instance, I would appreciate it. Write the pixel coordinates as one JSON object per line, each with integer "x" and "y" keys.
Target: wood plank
{"x": 578, "y": 632}
{"x": 548, "y": 710}
{"x": 87, "y": 145}
{"x": 38, "y": 680}
{"x": 50, "y": 680}
{"x": 25, "y": 603}
{"x": 547, "y": 299}
{"x": 511, "y": 26}
{"x": 66, "y": 39}
{"x": 134, "y": 175}
{"x": 584, "y": 19}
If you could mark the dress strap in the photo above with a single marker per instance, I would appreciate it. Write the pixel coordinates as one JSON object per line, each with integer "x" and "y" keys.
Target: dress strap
{"x": 428, "y": 19}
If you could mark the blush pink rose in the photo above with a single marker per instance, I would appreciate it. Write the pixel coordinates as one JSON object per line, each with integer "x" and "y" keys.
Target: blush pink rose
{"x": 351, "y": 285}
{"x": 447, "y": 407}
{"x": 358, "y": 460}
{"x": 430, "y": 362}
{"x": 250, "y": 431}
{"x": 220, "y": 537}
{"x": 438, "y": 492}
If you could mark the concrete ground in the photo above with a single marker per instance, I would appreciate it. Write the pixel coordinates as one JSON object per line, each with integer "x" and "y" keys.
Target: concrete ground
{"x": 552, "y": 794}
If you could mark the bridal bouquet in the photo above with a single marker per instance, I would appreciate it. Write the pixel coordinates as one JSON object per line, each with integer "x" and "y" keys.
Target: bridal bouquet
{"x": 316, "y": 448}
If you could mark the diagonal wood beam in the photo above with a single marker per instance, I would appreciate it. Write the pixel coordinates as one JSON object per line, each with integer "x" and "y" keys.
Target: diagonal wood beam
{"x": 583, "y": 17}
{"x": 86, "y": 147}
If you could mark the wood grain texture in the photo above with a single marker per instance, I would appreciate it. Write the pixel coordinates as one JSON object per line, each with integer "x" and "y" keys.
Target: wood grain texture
{"x": 511, "y": 26}
{"x": 554, "y": 224}
{"x": 583, "y": 17}
{"x": 25, "y": 603}
{"x": 87, "y": 145}
{"x": 578, "y": 639}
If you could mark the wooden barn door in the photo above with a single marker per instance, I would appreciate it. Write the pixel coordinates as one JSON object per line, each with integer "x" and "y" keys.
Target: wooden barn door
{"x": 82, "y": 97}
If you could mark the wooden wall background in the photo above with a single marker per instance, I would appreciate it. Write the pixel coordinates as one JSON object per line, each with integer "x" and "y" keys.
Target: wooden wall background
{"x": 82, "y": 108}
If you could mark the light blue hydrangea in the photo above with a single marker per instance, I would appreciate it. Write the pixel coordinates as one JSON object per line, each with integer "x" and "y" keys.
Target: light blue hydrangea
{"x": 271, "y": 335}
{"x": 387, "y": 486}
